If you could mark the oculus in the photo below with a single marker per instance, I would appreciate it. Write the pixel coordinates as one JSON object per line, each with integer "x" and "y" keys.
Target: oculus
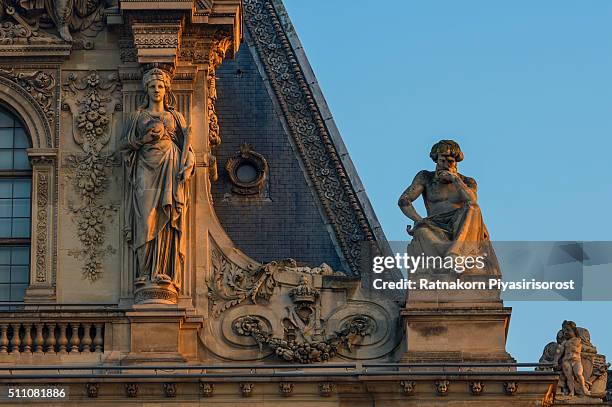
{"x": 248, "y": 171}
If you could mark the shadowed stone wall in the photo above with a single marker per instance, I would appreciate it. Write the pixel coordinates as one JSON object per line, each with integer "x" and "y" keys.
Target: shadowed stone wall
{"x": 284, "y": 221}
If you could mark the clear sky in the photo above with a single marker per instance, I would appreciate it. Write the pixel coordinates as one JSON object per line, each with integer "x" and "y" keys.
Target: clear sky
{"x": 524, "y": 86}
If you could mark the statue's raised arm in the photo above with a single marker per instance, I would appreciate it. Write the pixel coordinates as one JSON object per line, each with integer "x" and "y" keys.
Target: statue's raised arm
{"x": 453, "y": 225}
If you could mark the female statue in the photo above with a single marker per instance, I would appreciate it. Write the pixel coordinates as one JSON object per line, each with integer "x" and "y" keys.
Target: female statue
{"x": 159, "y": 162}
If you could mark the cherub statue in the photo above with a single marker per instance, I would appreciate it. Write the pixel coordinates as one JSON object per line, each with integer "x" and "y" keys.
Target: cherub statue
{"x": 571, "y": 361}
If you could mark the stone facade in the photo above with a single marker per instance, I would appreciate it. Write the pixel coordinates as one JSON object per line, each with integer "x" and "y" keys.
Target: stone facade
{"x": 269, "y": 305}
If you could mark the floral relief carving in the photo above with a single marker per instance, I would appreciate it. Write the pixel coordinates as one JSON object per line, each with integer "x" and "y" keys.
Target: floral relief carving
{"x": 42, "y": 191}
{"x": 92, "y": 101}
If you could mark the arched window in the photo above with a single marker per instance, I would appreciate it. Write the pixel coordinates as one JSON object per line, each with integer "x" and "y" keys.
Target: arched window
{"x": 15, "y": 208}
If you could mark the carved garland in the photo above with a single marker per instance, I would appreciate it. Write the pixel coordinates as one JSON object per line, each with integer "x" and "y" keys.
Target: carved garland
{"x": 308, "y": 129}
{"x": 307, "y": 351}
{"x": 92, "y": 102}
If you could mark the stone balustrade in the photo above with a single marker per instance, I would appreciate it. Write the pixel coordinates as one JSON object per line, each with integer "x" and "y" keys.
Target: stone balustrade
{"x": 51, "y": 337}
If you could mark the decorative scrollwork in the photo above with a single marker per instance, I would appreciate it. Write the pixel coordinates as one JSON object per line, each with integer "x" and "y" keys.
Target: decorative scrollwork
{"x": 76, "y": 22}
{"x": 307, "y": 351}
{"x": 42, "y": 191}
{"x": 39, "y": 84}
{"x": 92, "y": 102}
{"x": 247, "y": 157}
{"x": 232, "y": 285}
{"x": 22, "y": 31}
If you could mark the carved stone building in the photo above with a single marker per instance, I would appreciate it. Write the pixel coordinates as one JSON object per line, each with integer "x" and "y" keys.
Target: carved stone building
{"x": 268, "y": 227}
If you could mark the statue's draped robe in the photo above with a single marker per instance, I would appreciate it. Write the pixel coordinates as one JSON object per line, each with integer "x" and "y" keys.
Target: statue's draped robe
{"x": 155, "y": 200}
{"x": 459, "y": 232}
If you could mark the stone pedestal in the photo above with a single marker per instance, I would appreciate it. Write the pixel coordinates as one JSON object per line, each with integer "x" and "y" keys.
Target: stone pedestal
{"x": 155, "y": 293}
{"x": 456, "y": 325}
{"x": 162, "y": 334}
{"x": 456, "y": 335}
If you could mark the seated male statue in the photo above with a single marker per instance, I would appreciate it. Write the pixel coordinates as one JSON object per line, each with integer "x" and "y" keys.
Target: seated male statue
{"x": 453, "y": 227}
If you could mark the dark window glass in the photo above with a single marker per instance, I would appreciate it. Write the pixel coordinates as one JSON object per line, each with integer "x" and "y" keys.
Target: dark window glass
{"x": 15, "y": 208}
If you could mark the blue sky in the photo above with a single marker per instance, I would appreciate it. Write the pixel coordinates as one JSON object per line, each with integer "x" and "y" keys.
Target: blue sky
{"x": 525, "y": 87}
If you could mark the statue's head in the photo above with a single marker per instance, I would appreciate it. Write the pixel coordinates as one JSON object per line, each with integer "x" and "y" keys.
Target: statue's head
{"x": 446, "y": 154}
{"x": 157, "y": 85}
{"x": 570, "y": 329}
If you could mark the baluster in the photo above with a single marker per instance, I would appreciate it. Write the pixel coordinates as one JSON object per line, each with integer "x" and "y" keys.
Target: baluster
{"x": 27, "y": 338}
{"x": 98, "y": 340}
{"x": 39, "y": 338}
{"x": 86, "y": 338}
{"x": 74, "y": 338}
{"x": 4, "y": 338}
{"x": 63, "y": 340}
{"x": 15, "y": 340}
{"x": 51, "y": 340}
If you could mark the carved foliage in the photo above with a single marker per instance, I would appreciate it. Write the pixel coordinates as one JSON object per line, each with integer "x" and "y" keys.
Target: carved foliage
{"x": 92, "y": 101}
{"x": 220, "y": 45}
{"x": 306, "y": 124}
{"x": 42, "y": 198}
{"x": 232, "y": 285}
{"x": 40, "y": 85}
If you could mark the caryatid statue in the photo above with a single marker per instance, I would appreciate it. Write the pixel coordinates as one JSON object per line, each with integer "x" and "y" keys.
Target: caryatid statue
{"x": 453, "y": 225}
{"x": 159, "y": 162}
